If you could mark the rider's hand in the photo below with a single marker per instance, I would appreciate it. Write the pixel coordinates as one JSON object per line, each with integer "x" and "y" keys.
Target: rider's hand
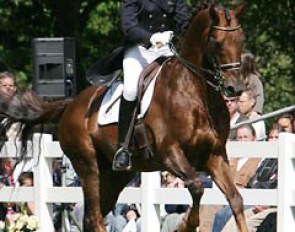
{"x": 161, "y": 39}
{"x": 167, "y": 36}
{"x": 156, "y": 40}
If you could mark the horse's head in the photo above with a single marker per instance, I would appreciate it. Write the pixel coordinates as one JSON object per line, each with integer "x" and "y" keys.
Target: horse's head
{"x": 214, "y": 41}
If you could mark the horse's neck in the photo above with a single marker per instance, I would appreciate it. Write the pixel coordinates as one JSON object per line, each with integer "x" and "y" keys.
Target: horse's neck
{"x": 192, "y": 52}
{"x": 194, "y": 40}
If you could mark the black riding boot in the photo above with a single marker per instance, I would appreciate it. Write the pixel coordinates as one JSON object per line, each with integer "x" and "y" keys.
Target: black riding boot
{"x": 122, "y": 158}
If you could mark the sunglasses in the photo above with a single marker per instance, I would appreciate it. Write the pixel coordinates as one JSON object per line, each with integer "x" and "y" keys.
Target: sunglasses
{"x": 230, "y": 100}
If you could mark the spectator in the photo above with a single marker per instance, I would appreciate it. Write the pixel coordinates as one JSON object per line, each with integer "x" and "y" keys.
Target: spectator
{"x": 246, "y": 105}
{"x": 265, "y": 178}
{"x": 7, "y": 84}
{"x": 285, "y": 121}
{"x": 65, "y": 175}
{"x": 127, "y": 222}
{"x": 253, "y": 81}
{"x": 8, "y": 90}
{"x": 235, "y": 117}
{"x": 26, "y": 179}
{"x": 117, "y": 219}
{"x": 175, "y": 213}
{"x": 25, "y": 165}
{"x": 269, "y": 224}
{"x": 6, "y": 179}
{"x": 243, "y": 170}
{"x": 6, "y": 171}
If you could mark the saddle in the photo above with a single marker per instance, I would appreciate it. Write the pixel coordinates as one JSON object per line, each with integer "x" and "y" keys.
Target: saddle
{"x": 137, "y": 136}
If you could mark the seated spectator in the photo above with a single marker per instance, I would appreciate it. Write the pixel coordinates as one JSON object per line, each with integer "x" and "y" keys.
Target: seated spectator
{"x": 25, "y": 165}
{"x": 128, "y": 221}
{"x": 235, "y": 116}
{"x": 285, "y": 121}
{"x": 26, "y": 179}
{"x": 115, "y": 220}
{"x": 265, "y": 178}
{"x": 65, "y": 175}
{"x": 269, "y": 224}
{"x": 174, "y": 212}
{"x": 243, "y": 170}
{"x": 246, "y": 105}
{"x": 6, "y": 171}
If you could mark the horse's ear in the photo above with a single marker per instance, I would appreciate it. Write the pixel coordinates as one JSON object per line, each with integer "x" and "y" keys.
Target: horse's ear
{"x": 213, "y": 12}
{"x": 240, "y": 9}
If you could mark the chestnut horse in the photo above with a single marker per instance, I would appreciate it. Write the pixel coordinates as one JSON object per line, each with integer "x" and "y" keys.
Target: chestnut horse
{"x": 188, "y": 122}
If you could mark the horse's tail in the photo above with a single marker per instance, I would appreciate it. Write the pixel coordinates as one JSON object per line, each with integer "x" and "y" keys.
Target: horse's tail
{"x": 29, "y": 110}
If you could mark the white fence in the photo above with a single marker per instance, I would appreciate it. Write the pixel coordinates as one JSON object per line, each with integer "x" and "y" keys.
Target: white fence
{"x": 150, "y": 195}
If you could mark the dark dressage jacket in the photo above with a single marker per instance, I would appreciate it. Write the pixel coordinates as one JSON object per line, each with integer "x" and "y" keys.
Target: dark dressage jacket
{"x": 140, "y": 19}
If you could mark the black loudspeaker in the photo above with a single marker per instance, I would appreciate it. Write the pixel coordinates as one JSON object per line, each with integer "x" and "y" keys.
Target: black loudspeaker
{"x": 54, "y": 67}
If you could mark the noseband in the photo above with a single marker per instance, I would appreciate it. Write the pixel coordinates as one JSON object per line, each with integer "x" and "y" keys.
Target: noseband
{"x": 228, "y": 66}
{"x": 218, "y": 68}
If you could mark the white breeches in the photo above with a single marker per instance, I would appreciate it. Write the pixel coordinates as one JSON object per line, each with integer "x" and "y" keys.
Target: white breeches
{"x": 135, "y": 60}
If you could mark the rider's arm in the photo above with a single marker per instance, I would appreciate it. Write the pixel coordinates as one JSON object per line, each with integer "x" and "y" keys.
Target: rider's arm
{"x": 130, "y": 23}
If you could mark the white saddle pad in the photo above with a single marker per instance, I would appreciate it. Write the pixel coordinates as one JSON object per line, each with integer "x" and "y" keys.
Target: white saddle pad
{"x": 109, "y": 110}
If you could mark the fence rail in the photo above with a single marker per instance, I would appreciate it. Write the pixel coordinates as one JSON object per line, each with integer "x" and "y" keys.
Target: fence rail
{"x": 151, "y": 195}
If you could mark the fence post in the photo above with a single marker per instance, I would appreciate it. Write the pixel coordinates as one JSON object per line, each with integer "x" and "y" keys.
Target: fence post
{"x": 42, "y": 180}
{"x": 150, "y": 212}
{"x": 286, "y": 183}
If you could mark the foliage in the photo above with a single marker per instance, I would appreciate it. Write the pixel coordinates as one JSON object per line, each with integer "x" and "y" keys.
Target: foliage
{"x": 271, "y": 39}
{"x": 95, "y": 24}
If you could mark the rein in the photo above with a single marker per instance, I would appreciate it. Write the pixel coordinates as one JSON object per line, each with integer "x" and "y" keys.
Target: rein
{"x": 196, "y": 69}
{"x": 218, "y": 68}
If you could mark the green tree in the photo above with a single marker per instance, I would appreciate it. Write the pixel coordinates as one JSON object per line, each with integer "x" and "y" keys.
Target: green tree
{"x": 95, "y": 25}
{"x": 270, "y": 33}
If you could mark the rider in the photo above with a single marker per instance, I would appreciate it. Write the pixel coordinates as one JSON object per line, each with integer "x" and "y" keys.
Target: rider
{"x": 148, "y": 26}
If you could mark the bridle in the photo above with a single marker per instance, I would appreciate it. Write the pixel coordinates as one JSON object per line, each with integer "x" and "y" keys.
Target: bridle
{"x": 218, "y": 69}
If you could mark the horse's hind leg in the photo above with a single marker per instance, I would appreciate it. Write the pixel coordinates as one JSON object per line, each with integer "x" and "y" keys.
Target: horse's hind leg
{"x": 101, "y": 188}
{"x": 177, "y": 164}
{"x": 87, "y": 169}
{"x": 221, "y": 174}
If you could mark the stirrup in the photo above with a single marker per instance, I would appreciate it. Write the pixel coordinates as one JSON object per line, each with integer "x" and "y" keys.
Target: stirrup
{"x": 122, "y": 165}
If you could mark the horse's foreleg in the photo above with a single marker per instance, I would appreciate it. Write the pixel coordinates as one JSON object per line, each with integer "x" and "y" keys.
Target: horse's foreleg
{"x": 178, "y": 165}
{"x": 221, "y": 174}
